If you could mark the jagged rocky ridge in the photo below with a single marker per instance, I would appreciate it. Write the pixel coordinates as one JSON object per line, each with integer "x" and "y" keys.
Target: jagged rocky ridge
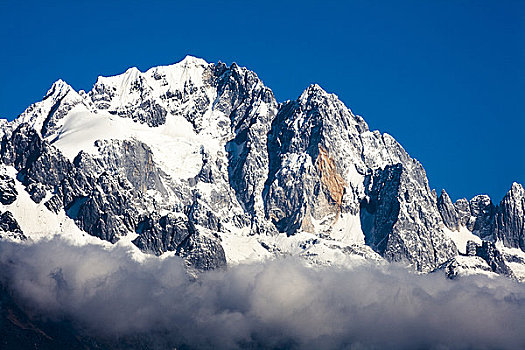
{"x": 501, "y": 224}
{"x": 200, "y": 159}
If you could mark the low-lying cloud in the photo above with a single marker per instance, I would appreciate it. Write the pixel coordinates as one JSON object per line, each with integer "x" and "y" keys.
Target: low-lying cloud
{"x": 275, "y": 304}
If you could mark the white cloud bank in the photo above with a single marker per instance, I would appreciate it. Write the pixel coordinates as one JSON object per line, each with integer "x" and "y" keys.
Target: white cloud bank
{"x": 276, "y": 304}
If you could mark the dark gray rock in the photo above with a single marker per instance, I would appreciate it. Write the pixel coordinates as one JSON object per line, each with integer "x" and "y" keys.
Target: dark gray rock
{"x": 207, "y": 173}
{"x": 9, "y": 227}
{"x": 200, "y": 214}
{"x": 488, "y": 252}
{"x": 448, "y": 211}
{"x": 510, "y": 218}
{"x": 471, "y": 248}
{"x": 401, "y": 222}
{"x": 482, "y": 221}
{"x": 35, "y": 159}
{"x": 202, "y": 252}
{"x": 8, "y": 191}
{"x": 37, "y": 191}
{"x": 54, "y": 204}
{"x": 174, "y": 232}
{"x": 159, "y": 235}
{"x": 380, "y": 210}
{"x": 131, "y": 158}
{"x": 463, "y": 211}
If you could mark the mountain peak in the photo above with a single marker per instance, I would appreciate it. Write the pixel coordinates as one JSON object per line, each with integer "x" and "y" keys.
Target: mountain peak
{"x": 316, "y": 95}
{"x": 444, "y": 194}
{"x": 481, "y": 198}
{"x": 516, "y": 187}
{"x": 192, "y": 60}
{"x": 515, "y": 192}
{"x": 313, "y": 90}
{"x": 59, "y": 88}
{"x": 132, "y": 71}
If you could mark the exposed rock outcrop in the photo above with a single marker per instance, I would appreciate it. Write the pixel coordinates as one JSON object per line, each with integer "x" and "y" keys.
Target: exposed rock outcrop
{"x": 9, "y": 227}
{"x": 448, "y": 212}
{"x": 8, "y": 191}
{"x": 510, "y": 218}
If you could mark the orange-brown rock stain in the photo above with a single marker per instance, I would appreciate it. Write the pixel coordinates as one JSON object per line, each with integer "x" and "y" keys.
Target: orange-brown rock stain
{"x": 334, "y": 182}
{"x": 306, "y": 224}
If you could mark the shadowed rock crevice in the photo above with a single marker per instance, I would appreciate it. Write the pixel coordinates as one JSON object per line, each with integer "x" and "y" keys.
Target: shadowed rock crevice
{"x": 380, "y": 209}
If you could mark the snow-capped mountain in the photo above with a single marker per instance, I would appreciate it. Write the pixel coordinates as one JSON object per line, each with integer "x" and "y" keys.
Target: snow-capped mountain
{"x": 200, "y": 160}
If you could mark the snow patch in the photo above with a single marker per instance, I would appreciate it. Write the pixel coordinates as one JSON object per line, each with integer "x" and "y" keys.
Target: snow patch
{"x": 174, "y": 144}
{"x": 347, "y": 229}
{"x": 461, "y": 237}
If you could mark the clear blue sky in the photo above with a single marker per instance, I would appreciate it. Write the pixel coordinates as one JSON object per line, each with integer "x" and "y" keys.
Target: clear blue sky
{"x": 445, "y": 78}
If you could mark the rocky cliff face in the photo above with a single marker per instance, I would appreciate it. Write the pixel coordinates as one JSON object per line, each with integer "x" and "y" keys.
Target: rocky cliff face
{"x": 450, "y": 214}
{"x": 500, "y": 229}
{"x": 313, "y": 148}
{"x": 401, "y": 219}
{"x": 485, "y": 258}
{"x": 510, "y": 218}
{"x": 200, "y": 159}
{"x": 503, "y": 222}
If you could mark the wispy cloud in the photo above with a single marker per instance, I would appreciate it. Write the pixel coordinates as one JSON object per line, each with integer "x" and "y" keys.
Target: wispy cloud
{"x": 275, "y": 304}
